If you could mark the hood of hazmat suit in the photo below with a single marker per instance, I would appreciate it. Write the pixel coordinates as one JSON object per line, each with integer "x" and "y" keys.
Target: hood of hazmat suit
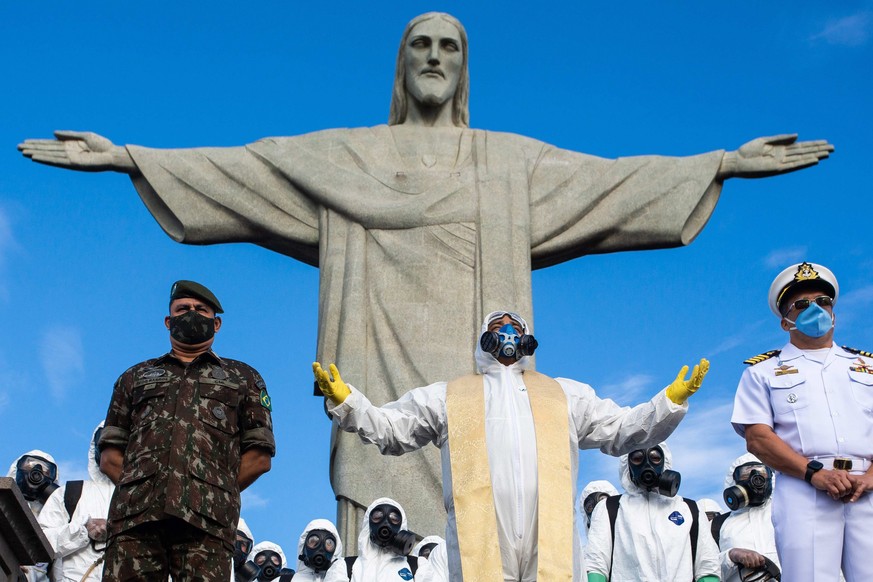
{"x": 337, "y": 571}
{"x": 377, "y": 564}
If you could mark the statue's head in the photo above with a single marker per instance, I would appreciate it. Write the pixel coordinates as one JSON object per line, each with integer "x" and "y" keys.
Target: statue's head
{"x": 452, "y": 81}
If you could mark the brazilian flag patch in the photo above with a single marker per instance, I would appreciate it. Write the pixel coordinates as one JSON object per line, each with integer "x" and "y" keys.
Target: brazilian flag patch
{"x": 265, "y": 401}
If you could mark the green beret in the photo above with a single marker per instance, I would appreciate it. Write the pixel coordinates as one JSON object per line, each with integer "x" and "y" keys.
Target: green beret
{"x": 182, "y": 289}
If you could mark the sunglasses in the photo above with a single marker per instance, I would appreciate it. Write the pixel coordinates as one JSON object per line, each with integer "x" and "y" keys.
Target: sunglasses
{"x": 821, "y": 301}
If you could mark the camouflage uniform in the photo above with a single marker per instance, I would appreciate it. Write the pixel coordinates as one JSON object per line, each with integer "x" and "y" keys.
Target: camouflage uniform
{"x": 183, "y": 430}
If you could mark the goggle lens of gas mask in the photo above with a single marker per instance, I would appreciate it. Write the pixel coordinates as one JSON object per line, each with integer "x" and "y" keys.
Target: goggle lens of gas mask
{"x": 591, "y": 502}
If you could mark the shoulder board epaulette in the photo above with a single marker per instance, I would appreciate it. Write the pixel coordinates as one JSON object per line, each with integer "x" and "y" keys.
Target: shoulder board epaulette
{"x": 760, "y": 358}
{"x": 858, "y": 352}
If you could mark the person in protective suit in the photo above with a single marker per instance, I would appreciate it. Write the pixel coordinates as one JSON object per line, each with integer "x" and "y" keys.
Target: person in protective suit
{"x": 509, "y": 440}
{"x": 270, "y": 558}
{"x": 242, "y": 547}
{"x": 37, "y": 476}
{"x": 79, "y": 539}
{"x": 423, "y": 548}
{"x": 320, "y": 554}
{"x": 649, "y": 539}
{"x": 380, "y": 557}
{"x": 746, "y": 538}
{"x": 592, "y": 494}
{"x": 710, "y": 507}
{"x": 436, "y": 567}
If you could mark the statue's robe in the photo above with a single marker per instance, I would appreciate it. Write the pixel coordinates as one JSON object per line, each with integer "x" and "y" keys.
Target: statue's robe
{"x": 411, "y": 258}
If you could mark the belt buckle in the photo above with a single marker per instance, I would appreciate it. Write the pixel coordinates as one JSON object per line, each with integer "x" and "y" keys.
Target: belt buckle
{"x": 843, "y": 464}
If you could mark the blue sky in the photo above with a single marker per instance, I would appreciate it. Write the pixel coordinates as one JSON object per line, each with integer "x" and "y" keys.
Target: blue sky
{"x": 85, "y": 271}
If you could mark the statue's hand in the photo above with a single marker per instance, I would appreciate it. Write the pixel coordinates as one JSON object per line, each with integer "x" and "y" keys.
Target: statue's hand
{"x": 768, "y": 156}
{"x": 78, "y": 150}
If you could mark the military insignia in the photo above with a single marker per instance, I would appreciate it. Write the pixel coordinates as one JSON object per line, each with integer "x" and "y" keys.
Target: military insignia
{"x": 762, "y": 357}
{"x": 786, "y": 369}
{"x": 265, "y": 401}
{"x": 261, "y": 384}
{"x": 858, "y": 352}
{"x": 219, "y": 374}
{"x": 805, "y": 272}
{"x": 150, "y": 373}
{"x": 792, "y": 398}
{"x": 218, "y": 412}
{"x": 862, "y": 367}
{"x": 676, "y": 518}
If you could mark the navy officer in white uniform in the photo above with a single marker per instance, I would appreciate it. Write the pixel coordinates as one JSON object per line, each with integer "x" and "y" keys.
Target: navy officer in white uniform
{"x": 807, "y": 411}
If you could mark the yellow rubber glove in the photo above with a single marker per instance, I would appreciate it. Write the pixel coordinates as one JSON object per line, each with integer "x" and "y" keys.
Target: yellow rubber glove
{"x": 334, "y": 389}
{"x": 681, "y": 389}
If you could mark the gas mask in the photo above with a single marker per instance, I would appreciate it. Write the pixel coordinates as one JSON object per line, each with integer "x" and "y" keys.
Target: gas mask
{"x": 646, "y": 468}
{"x": 591, "y": 502}
{"x": 96, "y": 440}
{"x": 192, "y": 328}
{"x": 385, "y": 530}
{"x": 318, "y": 549}
{"x": 36, "y": 477}
{"x": 769, "y": 571}
{"x": 270, "y": 563}
{"x": 242, "y": 545}
{"x": 506, "y": 342}
{"x": 425, "y": 550}
{"x": 754, "y": 485}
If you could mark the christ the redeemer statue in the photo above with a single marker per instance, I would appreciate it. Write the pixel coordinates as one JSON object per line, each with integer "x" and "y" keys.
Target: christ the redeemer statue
{"x": 420, "y": 224}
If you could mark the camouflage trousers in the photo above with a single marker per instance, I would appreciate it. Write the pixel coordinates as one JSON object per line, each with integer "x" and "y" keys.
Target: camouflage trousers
{"x": 171, "y": 547}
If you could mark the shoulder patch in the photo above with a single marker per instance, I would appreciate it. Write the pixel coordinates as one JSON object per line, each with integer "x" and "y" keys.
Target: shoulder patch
{"x": 762, "y": 357}
{"x": 858, "y": 352}
{"x": 266, "y": 402}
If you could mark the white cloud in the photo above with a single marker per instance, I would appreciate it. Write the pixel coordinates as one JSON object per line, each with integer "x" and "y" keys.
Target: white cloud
{"x": 781, "y": 258}
{"x": 630, "y": 389}
{"x": 4, "y": 401}
{"x": 851, "y": 30}
{"x": 73, "y": 471}
{"x": 251, "y": 500}
{"x": 62, "y": 359}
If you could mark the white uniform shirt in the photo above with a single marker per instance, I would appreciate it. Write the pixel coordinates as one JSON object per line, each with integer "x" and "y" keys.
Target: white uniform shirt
{"x": 819, "y": 410}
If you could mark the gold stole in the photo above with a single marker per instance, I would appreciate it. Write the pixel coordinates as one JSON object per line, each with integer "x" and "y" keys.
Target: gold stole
{"x": 475, "y": 516}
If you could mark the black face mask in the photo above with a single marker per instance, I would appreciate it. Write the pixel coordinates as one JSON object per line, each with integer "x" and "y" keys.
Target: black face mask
{"x": 385, "y": 530}
{"x": 270, "y": 563}
{"x": 318, "y": 549}
{"x": 247, "y": 572}
{"x": 754, "y": 485}
{"x": 242, "y": 545}
{"x": 96, "y": 440}
{"x": 646, "y": 468}
{"x": 591, "y": 502}
{"x": 192, "y": 328}
{"x": 36, "y": 477}
{"x": 425, "y": 550}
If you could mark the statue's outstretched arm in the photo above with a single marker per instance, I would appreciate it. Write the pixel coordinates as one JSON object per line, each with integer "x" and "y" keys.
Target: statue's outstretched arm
{"x": 79, "y": 150}
{"x": 769, "y": 156}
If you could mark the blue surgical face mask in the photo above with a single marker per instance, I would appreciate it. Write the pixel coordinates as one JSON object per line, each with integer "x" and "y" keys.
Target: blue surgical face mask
{"x": 813, "y": 321}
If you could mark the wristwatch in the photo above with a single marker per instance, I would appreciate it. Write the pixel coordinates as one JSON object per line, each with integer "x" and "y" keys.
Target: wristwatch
{"x": 811, "y": 468}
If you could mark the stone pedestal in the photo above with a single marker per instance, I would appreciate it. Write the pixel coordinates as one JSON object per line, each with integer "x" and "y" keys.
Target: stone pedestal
{"x": 21, "y": 539}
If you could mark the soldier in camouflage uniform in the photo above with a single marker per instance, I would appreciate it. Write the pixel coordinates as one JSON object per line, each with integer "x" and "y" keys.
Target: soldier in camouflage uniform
{"x": 184, "y": 434}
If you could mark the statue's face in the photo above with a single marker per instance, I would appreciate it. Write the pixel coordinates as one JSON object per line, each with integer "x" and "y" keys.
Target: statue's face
{"x": 433, "y": 62}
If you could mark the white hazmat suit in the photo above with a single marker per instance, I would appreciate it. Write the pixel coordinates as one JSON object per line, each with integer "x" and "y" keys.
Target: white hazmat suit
{"x": 652, "y": 537}
{"x": 377, "y": 564}
{"x": 336, "y": 572}
{"x": 74, "y": 552}
{"x": 419, "y": 418}
{"x": 436, "y": 567}
{"x": 37, "y": 572}
{"x": 268, "y": 546}
{"x": 749, "y": 528}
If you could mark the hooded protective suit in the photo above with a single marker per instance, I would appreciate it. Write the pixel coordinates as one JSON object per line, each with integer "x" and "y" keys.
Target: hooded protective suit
{"x": 337, "y": 571}
{"x": 75, "y": 554}
{"x": 419, "y": 417}
{"x": 376, "y": 564}
{"x": 36, "y": 505}
{"x": 601, "y": 486}
{"x": 651, "y": 537}
{"x": 242, "y": 526}
{"x": 750, "y": 528}
{"x": 37, "y": 572}
{"x": 427, "y": 540}
{"x": 265, "y": 545}
{"x": 436, "y": 567}
{"x": 707, "y": 505}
